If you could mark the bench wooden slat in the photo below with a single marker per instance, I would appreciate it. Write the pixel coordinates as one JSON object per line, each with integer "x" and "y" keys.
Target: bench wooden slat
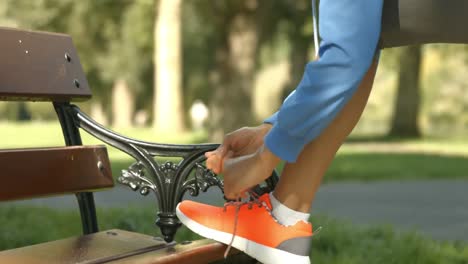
{"x": 196, "y": 252}
{"x": 34, "y": 67}
{"x": 27, "y": 173}
{"x": 96, "y": 248}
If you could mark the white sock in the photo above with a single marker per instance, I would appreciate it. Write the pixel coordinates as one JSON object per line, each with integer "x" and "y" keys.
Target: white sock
{"x": 285, "y": 215}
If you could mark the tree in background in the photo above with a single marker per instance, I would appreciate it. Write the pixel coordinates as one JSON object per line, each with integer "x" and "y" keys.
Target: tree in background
{"x": 94, "y": 25}
{"x": 225, "y": 44}
{"x": 407, "y": 104}
{"x": 199, "y": 42}
{"x": 300, "y": 35}
{"x": 239, "y": 33}
{"x": 128, "y": 64}
{"x": 445, "y": 100}
{"x": 168, "y": 105}
{"x": 284, "y": 56}
{"x": 233, "y": 75}
{"x": 94, "y": 37}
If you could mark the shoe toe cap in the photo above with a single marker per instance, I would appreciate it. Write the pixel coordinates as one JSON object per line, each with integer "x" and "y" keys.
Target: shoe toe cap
{"x": 196, "y": 211}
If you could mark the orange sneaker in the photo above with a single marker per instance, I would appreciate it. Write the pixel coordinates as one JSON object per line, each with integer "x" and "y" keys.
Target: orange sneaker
{"x": 249, "y": 227}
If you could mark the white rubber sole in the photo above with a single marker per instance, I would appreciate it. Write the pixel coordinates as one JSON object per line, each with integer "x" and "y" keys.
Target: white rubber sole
{"x": 264, "y": 254}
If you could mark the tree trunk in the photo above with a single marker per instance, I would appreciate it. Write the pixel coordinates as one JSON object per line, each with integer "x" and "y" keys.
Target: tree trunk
{"x": 168, "y": 107}
{"x": 300, "y": 41}
{"x": 123, "y": 104}
{"x": 270, "y": 83}
{"x": 406, "y": 113}
{"x": 23, "y": 112}
{"x": 231, "y": 106}
{"x": 298, "y": 59}
{"x": 98, "y": 114}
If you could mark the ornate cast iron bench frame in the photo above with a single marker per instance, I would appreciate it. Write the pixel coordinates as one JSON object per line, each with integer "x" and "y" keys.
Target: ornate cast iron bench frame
{"x": 168, "y": 181}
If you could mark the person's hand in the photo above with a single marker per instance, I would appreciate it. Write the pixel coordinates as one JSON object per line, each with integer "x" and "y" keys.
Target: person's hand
{"x": 243, "y": 172}
{"x": 241, "y": 142}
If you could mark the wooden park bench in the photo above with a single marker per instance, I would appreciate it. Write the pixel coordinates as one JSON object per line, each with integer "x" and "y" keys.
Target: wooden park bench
{"x": 37, "y": 66}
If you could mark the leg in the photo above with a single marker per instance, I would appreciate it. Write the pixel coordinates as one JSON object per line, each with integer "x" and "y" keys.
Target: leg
{"x": 300, "y": 180}
{"x": 251, "y": 224}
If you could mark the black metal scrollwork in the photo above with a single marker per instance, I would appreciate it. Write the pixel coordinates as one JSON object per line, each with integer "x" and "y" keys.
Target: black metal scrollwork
{"x": 203, "y": 179}
{"x": 134, "y": 178}
{"x": 169, "y": 181}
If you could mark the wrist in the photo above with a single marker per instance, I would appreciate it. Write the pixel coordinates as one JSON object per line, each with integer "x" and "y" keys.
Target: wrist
{"x": 265, "y": 127}
{"x": 268, "y": 157}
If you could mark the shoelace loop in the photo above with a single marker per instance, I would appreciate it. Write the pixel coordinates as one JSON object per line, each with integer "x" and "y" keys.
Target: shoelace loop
{"x": 252, "y": 200}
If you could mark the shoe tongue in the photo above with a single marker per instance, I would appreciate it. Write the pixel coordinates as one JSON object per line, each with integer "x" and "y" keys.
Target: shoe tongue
{"x": 266, "y": 198}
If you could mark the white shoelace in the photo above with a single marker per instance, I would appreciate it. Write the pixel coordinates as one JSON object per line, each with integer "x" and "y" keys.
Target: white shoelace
{"x": 253, "y": 200}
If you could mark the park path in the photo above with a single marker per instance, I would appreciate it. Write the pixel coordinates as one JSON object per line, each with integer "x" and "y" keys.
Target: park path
{"x": 436, "y": 208}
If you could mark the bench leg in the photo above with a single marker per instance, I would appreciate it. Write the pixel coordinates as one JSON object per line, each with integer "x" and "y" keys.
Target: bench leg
{"x": 72, "y": 137}
{"x": 87, "y": 212}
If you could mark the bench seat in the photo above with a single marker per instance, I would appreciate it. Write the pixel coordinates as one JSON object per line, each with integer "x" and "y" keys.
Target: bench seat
{"x": 190, "y": 252}
{"x": 121, "y": 247}
{"x": 95, "y": 248}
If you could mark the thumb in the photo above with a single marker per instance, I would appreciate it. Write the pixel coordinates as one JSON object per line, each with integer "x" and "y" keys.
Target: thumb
{"x": 226, "y": 146}
{"x": 222, "y": 150}
{"x": 228, "y": 155}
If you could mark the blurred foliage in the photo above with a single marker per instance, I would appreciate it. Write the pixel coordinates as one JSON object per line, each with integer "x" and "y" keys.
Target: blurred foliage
{"x": 198, "y": 43}
{"x": 115, "y": 39}
{"x": 93, "y": 26}
{"x": 131, "y": 56}
{"x": 446, "y": 88}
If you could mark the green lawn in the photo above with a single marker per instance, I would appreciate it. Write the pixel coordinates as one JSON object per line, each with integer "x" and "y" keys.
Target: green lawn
{"x": 405, "y": 166}
{"x": 338, "y": 242}
{"x": 359, "y": 159}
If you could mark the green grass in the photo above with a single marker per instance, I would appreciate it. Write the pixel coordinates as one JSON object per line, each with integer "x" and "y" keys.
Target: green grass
{"x": 338, "y": 242}
{"x": 362, "y": 159}
{"x": 371, "y": 166}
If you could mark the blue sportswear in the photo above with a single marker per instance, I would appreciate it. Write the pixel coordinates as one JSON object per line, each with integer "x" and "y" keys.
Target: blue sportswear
{"x": 350, "y": 31}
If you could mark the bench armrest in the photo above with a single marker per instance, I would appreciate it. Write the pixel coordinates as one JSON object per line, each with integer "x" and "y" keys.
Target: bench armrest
{"x": 169, "y": 181}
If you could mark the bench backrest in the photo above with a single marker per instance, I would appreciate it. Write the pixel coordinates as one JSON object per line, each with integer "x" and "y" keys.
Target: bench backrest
{"x": 28, "y": 173}
{"x": 41, "y": 66}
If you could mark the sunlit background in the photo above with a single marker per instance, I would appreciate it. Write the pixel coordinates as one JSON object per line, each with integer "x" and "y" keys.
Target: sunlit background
{"x": 190, "y": 71}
